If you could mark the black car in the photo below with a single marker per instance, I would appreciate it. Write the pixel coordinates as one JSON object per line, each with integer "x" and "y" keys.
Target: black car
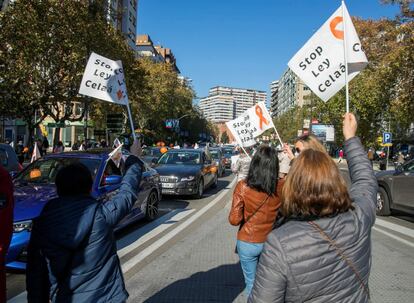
{"x": 218, "y": 157}
{"x": 396, "y": 189}
{"x": 228, "y": 153}
{"x": 151, "y": 154}
{"x": 8, "y": 159}
{"x": 186, "y": 172}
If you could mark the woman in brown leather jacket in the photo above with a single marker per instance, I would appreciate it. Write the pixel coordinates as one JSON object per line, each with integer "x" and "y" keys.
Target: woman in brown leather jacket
{"x": 254, "y": 208}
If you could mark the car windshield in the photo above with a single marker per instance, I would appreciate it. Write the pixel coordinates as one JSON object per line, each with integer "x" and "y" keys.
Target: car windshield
{"x": 229, "y": 152}
{"x": 155, "y": 152}
{"x": 45, "y": 170}
{"x": 186, "y": 158}
{"x": 214, "y": 154}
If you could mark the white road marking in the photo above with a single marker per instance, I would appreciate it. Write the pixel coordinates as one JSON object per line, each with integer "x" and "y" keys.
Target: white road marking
{"x": 20, "y": 298}
{"x": 411, "y": 244}
{"x": 156, "y": 231}
{"x": 156, "y": 245}
{"x": 395, "y": 227}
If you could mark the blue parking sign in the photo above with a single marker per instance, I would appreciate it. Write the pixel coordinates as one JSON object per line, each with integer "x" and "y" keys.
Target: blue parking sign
{"x": 386, "y": 138}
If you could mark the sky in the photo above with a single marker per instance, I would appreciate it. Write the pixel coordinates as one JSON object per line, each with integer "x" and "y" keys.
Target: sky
{"x": 240, "y": 43}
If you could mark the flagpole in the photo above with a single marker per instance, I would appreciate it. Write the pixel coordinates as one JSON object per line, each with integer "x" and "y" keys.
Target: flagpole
{"x": 131, "y": 122}
{"x": 277, "y": 134}
{"x": 345, "y": 57}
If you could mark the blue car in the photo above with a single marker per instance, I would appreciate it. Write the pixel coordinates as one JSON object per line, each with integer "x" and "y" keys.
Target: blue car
{"x": 34, "y": 186}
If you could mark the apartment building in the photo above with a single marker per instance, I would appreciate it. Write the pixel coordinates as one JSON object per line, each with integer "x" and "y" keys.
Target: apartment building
{"x": 274, "y": 89}
{"x": 227, "y": 103}
{"x": 291, "y": 91}
{"x": 122, "y": 14}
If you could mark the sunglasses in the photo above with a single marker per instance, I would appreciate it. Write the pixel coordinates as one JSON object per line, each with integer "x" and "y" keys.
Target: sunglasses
{"x": 297, "y": 150}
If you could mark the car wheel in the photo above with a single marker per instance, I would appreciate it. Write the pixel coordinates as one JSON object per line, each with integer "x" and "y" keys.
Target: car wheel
{"x": 215, "y": 181}
{"x": 200, "y": 190}
{"x": 383, "y": 204}
{"x": 152, "y": 206}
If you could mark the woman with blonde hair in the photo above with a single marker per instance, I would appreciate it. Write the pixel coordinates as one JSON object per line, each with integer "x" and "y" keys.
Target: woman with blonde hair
{"x": 302, "y": 143}
{"x": 321, "y": 250}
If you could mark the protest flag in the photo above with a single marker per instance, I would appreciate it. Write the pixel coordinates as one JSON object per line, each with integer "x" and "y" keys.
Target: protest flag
{"x": 104, "y": 79}
{"x": 36, "y": 153}
{"x": 116, "y": 143}
{"x": 331, "y": 58}
{"x": 251, "y": 124}
{"x": 116, "y": 155}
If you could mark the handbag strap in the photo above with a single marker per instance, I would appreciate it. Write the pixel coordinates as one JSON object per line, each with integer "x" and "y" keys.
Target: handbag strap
{"x": 257, "y": 209}
{"x": 341, "y": 254}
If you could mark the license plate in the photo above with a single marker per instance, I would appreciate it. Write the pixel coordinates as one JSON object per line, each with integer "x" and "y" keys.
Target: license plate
{"x": 167, "y": 185}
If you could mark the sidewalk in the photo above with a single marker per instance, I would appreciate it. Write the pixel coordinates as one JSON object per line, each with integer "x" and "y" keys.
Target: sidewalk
{"x": 203, "y": 267}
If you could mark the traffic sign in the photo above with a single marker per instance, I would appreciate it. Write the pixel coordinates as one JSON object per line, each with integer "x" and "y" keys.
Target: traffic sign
{"x": 386, "y": 138}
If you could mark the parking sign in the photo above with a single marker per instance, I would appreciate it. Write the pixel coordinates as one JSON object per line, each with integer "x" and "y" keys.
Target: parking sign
{"x": 386, "y": 138}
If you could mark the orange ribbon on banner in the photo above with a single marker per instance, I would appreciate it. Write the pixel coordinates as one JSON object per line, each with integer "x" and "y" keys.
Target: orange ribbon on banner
{"x": 259, "y": 113}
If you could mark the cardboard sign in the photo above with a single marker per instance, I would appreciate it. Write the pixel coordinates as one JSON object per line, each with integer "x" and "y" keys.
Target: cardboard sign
{"x": 251, "y": 124}
{"x": 104, "y": 79}
{"x": 320, "y": 63}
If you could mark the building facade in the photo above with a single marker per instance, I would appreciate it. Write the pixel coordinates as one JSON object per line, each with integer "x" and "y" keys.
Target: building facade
{"x": 291, "y": 91}
{"x": 122, "y": 14}
{"x": 226, "y": 103}
{"x": 274, "y": 89}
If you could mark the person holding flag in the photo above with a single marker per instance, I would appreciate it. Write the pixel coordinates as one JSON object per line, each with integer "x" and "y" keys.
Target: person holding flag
{"x": 72, "y": 254}
{"x": 320, "y": 250}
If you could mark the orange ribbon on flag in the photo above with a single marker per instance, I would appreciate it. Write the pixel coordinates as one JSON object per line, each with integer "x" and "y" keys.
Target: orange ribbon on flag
{"x": 259, "y": 113}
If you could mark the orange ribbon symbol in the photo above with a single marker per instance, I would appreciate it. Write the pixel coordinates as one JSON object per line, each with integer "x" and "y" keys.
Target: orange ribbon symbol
{"x": 259, "y": 113}
{"x": 338, "y": 34}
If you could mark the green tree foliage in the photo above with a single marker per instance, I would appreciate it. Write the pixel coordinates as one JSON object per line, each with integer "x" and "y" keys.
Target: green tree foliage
{"x": 44, "y": 50}
{"x": 224, "y": 138}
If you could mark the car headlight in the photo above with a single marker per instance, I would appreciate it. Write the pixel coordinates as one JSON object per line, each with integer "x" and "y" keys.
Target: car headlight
{"x": 22, "y": 225}
{"x": 189, "y": 178}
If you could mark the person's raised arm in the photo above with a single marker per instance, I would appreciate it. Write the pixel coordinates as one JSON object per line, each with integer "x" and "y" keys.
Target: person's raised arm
{"x": 120, "y": 205}
{"x": 364, "y": 184}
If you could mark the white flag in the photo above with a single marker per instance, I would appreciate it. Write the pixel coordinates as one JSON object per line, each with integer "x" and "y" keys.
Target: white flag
{"x": 320, "y": 63}
{"x": 116, "y": 143}
{"x": 116, "y": 155}
{"x": 36, "y": 153}
{"x": 252, "y": 123}
{"x": 104, "y": 79}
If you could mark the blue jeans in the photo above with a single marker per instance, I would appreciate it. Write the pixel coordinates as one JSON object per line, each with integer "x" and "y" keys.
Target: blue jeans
{"x": 249, "y": 254}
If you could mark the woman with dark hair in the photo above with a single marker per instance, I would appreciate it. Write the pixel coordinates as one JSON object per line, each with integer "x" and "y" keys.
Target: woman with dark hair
{"x": 254, "y": 208}
{"x": 321, "y": 250}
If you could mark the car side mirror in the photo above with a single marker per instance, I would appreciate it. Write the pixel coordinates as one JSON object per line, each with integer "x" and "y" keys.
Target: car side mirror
{"x": 112, "y": 180}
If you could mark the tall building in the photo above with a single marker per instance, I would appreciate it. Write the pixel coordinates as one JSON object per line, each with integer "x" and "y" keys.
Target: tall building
{"x": 291, "y": 92}
{"x": 274, "y": 89}
{"x": 227, "y": 103}
{"x": 123, "y": 16}
{"x": 146, "y": 48}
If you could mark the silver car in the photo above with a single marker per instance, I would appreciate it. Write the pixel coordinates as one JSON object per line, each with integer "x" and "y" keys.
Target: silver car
{"x": 396, "y": 190}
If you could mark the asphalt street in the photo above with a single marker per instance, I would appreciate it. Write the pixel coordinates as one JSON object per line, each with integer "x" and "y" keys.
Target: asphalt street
{"x": 187, "y": 254}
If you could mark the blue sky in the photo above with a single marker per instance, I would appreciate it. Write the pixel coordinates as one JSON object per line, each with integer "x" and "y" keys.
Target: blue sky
{"x": 240, "y": 43}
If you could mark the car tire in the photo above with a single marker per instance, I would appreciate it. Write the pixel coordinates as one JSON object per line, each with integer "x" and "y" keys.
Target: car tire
{"x": 215, "y": 181}
{"x": 151, "y": 212}
{"x": 200, "y": 189}
{"x": 383, "y": 203}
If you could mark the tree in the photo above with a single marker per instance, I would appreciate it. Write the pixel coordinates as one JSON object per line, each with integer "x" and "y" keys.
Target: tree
{"x": 42, "y": 67}
{"x": 224, "y": 138}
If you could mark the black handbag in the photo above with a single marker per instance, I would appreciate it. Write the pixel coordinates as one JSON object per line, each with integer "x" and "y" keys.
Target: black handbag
{"x": 249, "y": 217}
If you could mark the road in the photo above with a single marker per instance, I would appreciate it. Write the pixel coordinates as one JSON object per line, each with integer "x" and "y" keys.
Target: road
{"x": 187, "y": 255}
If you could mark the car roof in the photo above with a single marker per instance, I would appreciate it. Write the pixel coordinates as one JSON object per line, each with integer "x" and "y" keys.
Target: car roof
{"x": 94, "y": 153}
{"x": 185, "y": 150}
